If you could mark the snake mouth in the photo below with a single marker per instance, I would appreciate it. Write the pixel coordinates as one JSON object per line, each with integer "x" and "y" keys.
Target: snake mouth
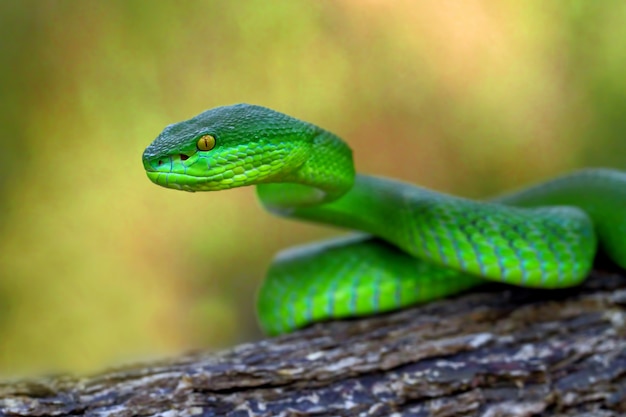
{"x": 186, "y": 182}
{"x": 198, "y": 172}
{"x": 177, "y": 172}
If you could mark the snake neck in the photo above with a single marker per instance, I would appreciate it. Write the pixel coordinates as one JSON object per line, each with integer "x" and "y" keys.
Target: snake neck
{"x": 371, "y": 205}
{"x": 325, "y": 176}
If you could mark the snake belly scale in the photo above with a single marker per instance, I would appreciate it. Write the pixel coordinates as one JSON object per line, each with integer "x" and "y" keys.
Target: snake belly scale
{"x": 415, "y": 244}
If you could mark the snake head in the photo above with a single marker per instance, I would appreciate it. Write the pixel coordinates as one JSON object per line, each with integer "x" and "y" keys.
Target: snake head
{"x": 228, "y": 147}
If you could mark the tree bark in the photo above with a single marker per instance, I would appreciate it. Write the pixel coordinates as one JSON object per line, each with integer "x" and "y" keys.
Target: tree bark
{"x": 496, "y": 351}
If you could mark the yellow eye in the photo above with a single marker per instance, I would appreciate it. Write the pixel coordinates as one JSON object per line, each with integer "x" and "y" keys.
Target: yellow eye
{"x": 206, "y": 143}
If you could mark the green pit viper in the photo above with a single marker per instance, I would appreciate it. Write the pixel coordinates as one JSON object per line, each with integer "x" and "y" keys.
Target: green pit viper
{"x": 417, "y": 245}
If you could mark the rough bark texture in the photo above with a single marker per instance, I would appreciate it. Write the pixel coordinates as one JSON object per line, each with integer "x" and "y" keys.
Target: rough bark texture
{"x": 498, "y": 351}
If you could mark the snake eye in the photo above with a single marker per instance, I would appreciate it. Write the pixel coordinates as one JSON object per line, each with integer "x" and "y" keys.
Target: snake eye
{"x": 206, "y": 143}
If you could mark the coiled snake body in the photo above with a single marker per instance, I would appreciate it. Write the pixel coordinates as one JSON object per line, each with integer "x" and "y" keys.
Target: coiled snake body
{"x": 418, "y": 245}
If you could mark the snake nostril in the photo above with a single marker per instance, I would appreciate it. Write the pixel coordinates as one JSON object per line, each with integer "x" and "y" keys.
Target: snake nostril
{"x": 160, "y": 162}
{"x": 183, "y": 157}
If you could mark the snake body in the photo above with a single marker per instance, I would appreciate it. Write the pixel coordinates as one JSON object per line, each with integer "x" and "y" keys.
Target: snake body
{"x": 418, "y": 245}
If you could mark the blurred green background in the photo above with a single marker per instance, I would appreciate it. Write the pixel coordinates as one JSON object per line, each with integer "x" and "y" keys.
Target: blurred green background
{"x": 98, "y": 266}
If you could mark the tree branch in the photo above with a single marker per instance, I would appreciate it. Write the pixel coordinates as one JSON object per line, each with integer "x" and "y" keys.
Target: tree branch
{"x": 497, "y": 351}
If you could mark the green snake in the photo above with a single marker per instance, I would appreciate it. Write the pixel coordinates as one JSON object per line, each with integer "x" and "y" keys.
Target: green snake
{"x": 417, "y": 245}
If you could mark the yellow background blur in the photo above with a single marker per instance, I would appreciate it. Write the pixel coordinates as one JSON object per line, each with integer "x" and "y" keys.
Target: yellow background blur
{"x": 98, "y": 266}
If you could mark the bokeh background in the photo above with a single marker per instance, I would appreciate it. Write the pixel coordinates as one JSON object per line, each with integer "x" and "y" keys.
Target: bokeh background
{"x": 98, "y": 266}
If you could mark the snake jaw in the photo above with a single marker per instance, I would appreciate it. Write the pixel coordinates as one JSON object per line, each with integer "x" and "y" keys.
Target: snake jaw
{"x": 212, "y": 171}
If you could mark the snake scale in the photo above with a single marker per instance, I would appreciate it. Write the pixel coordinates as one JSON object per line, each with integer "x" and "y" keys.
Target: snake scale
{"x": 416, "y": 244}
